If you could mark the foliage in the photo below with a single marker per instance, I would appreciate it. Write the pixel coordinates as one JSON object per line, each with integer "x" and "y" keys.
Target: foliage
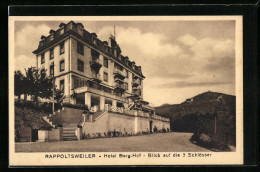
{"x": 25, "y": 117}
{"x": 19, "y": 79}
{"x": 199, "y": 117}
{"x": 37, "y": 106}
{"x": 37, "y": 84}
{"x": 216, "y": 142}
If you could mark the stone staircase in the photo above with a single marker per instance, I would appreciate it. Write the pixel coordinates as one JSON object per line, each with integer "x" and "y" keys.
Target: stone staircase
{"x": 69, "y": 132}
{"x": 48, "y": 119}
{"x": 131, "y": 105}
{"x": 98, "y": 114}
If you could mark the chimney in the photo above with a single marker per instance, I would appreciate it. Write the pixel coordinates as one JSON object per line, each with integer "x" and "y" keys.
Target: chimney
{"x": 112, "y": 41}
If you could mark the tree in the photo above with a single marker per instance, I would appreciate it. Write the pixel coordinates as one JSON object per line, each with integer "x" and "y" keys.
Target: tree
{"x": 37, "y": 83}
{"x": 18, "y": 83}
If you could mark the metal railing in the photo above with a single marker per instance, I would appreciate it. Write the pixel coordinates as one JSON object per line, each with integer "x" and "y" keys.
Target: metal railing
{"x": 121, "y": 86}
{"x": 136, "y": 82}
{"x": 120, "y": 72}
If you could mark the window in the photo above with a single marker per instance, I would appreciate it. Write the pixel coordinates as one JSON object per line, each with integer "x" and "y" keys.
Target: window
{"x": 80, "y": 48}
{"x": 126, "y": 73}
{"x": 62, "y": 66}
{"x": 62, "y": 85}
{"x": 51, "y": 53}
{"x": 62, "y": 48}
{"x": 105, "y": 76}
{"x": 106, "y": 62}
{"x": 52, "y": 69}
{"x": 51, "y": 37}
{"x": 42, "y": 58}
{"x": 62, "y": 30}
{"x": 80, "y": 65}
{"x": 81, "y": 30}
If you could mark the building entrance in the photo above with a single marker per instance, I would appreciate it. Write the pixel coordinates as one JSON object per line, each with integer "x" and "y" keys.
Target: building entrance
{"x": 151, "y": 126}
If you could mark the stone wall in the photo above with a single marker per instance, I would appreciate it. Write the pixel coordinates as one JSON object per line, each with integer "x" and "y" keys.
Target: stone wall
{"x": 50, "y": 135}
{"x": 143, "y": 124}
{"x": 122, "y": 123}
{"x": 67, "y": 116}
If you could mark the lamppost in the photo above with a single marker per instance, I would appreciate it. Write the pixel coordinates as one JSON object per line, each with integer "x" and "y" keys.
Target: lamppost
{"x": 53, "y": 90}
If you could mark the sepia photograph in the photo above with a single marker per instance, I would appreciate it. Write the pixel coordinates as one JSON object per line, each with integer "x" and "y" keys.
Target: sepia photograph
{"x": 137, "y": 88}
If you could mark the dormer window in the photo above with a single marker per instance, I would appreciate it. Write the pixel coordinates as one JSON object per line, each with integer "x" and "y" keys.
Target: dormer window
{"x": 95, "y": 41}
{"x": 51, "y": 37}
{"x": 62, "y": 30}
{"x": 115, "y": 53}
{"x": 51, "y": 34}
{"x": 80, "y": 29}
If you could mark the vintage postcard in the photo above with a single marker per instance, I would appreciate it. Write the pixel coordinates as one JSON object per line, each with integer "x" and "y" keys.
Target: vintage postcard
{"x": 125, "y": 90}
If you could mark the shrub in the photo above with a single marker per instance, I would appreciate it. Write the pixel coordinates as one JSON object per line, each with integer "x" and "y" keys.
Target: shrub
{"x": 163, "y": 130}
{"x": 38, "y": 106}
{"x": 216, "y": 142}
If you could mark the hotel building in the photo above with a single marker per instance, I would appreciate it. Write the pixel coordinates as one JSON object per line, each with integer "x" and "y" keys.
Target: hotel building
{"x": 92, "y": 72}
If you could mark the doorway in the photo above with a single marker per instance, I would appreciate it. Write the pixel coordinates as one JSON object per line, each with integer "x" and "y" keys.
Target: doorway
{"x": 151, "y": 126}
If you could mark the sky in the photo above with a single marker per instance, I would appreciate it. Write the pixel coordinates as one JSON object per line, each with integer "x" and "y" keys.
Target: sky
{"x": 179, "y": 59}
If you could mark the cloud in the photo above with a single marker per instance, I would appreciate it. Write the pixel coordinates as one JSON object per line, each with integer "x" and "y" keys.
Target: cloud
{"x": 172, "y": 75}
{"x": 187, "y": 39}
{"x": 23, "y": 61}
{"x": 183, "y": 84}
{"x": 177, "y": 63}
{"x": 28, "y": 37}
{"x": 151, "y": 45}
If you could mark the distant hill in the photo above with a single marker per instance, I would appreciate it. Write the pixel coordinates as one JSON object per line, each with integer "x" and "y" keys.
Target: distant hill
{"x": 202, "y": 104}
{"x": 198, "y": 114}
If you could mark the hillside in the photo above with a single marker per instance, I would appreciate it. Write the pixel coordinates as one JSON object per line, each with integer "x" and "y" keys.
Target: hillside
{"x": 211, "y": 113}
{"x": 202, "y": 104}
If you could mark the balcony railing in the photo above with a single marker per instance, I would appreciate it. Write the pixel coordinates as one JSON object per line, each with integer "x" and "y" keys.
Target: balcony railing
{"x": 119, "y": 80}
{"x": 119, "y": 72}
{"x": 95, "y": 63}
{"x": 96, "y": 78}
{"x": 141, "y": 113}
{"x": 136, "y": 82}
{"x": 122, "y": 87}
{"x": 136, "y": 92}
{"x": 148, "y": 107}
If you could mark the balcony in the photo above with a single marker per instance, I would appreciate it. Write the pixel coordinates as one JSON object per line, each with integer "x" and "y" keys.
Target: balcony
{"x": 135, "y": 88}
{"x": 120, "y": 87}
{"x": 147, "y": 107}
{"x": 120, "y": 73}
{"x": 136, "y": 82}
{"x": 95, "y": 63}
{"x": 136, "y": 92}
{"x": 119, "y": 80}
{"x": 96, "y": 78}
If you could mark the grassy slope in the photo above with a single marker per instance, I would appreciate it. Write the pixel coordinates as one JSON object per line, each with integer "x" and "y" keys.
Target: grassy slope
{"x": 25, "y": 117}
